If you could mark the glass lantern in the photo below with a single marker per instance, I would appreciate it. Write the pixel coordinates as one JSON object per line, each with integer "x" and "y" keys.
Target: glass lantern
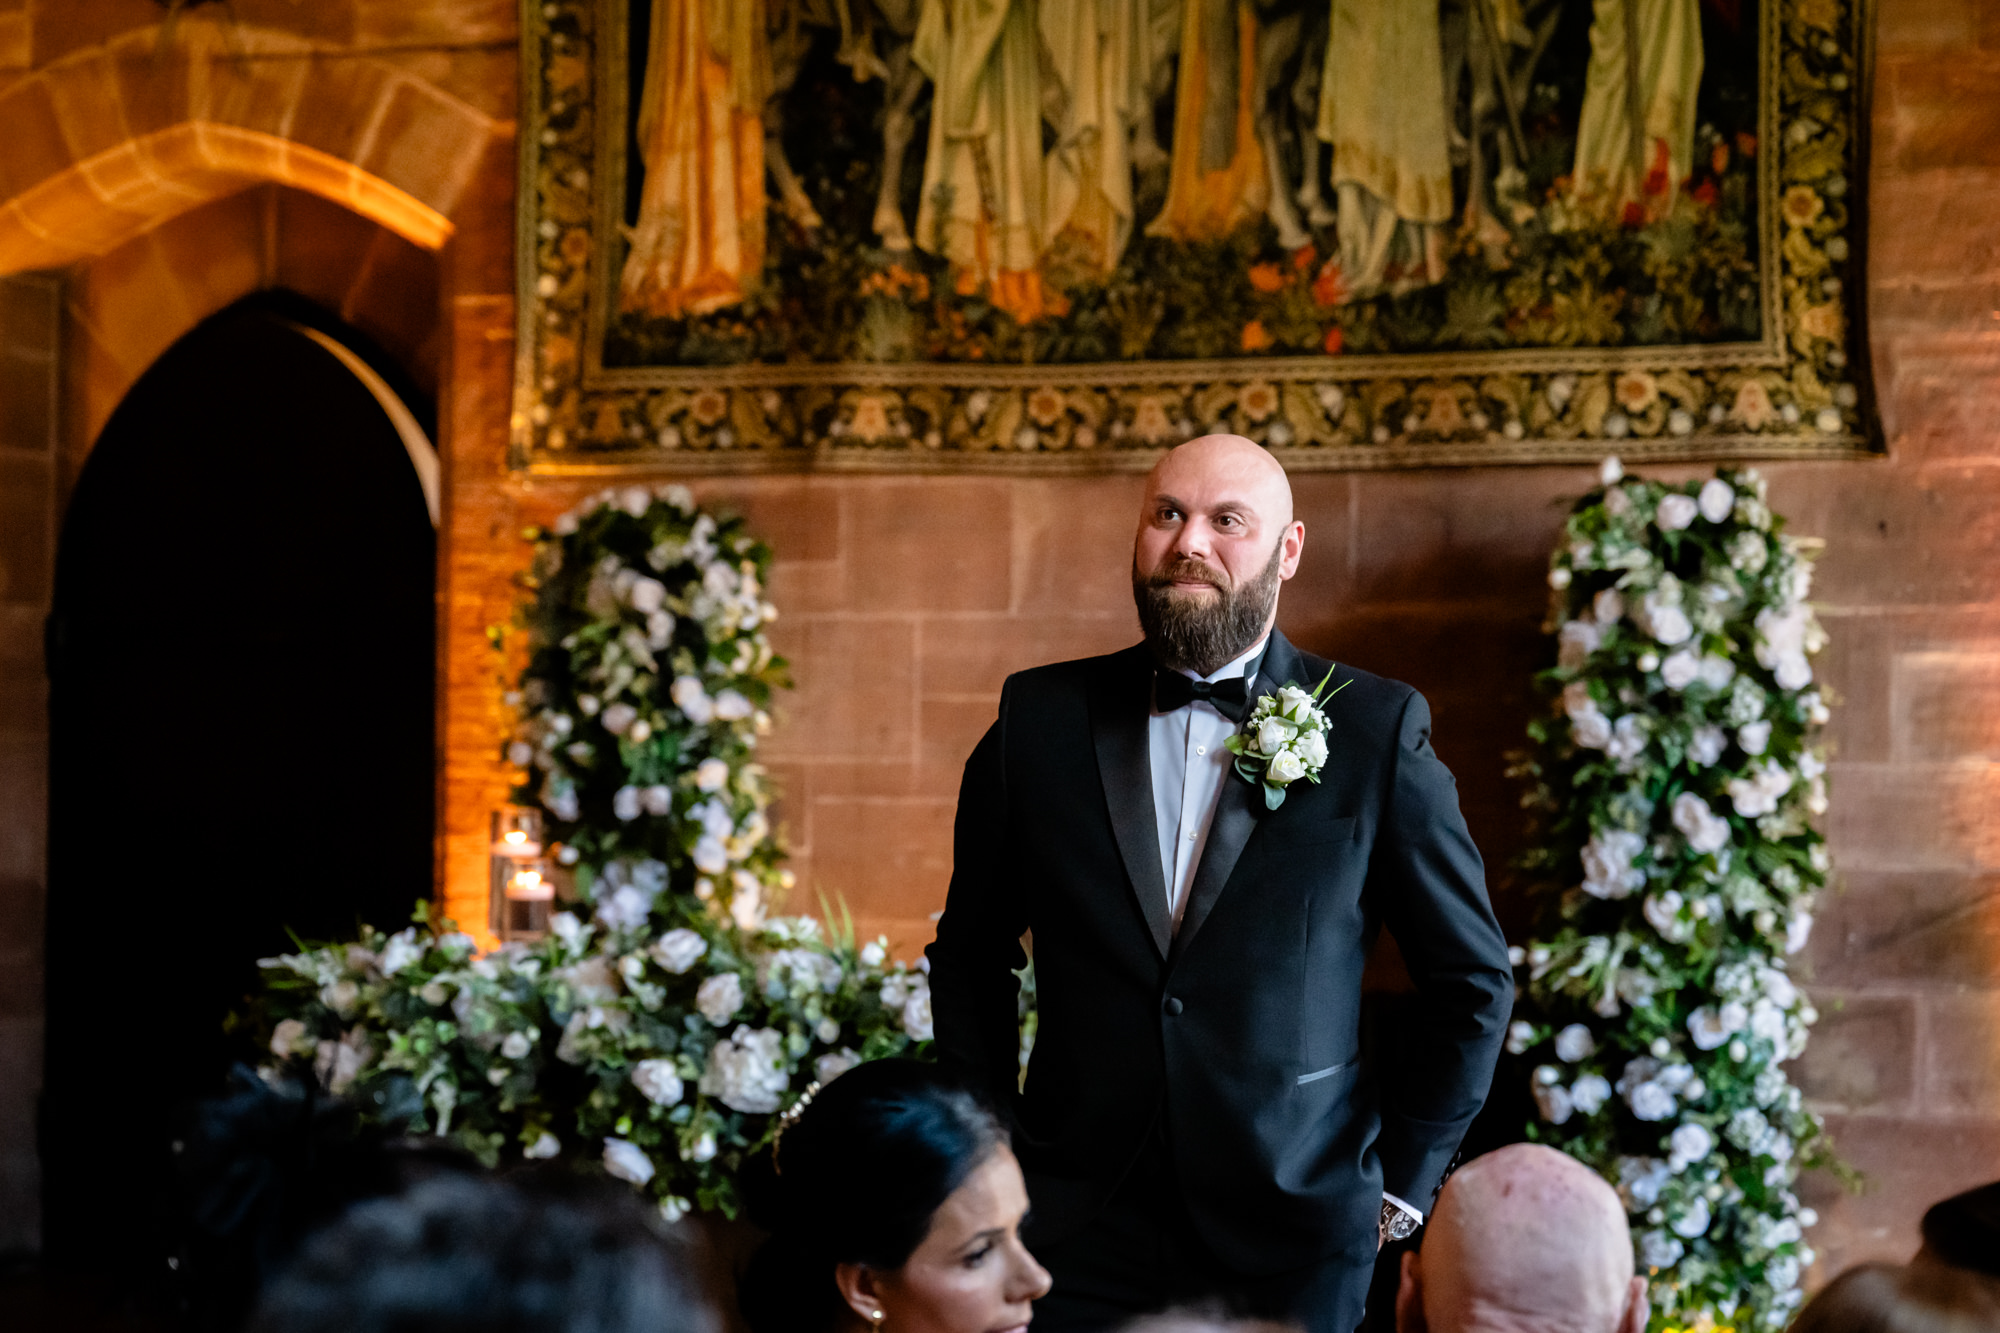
{"x": 517, "y": 832}
{"x": 523, "y": 888}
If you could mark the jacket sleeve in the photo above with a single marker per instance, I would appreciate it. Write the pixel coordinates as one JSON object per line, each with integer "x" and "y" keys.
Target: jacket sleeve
{"x": 974, "y": 994}
{"x": 1429, "y": 887}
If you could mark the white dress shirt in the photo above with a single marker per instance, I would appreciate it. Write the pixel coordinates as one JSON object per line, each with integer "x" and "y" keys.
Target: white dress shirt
{"x": 1189, "y": 764}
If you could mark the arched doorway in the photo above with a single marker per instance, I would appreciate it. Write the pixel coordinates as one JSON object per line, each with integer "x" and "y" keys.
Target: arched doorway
{"x": 241, "y": 666}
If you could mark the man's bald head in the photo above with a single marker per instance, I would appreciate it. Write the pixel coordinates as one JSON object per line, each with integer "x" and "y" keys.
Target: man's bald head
{"x": 1216, "y": 539}
{"x": 1523, "y": 1238}
{"x": 1225, "y": 464}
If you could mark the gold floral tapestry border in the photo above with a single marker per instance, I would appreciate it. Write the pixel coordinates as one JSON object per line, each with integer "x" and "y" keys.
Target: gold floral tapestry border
{"x": 1800, "y": 392}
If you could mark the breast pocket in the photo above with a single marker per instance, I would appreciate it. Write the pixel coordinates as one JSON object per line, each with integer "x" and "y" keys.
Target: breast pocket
{"x": 1328, "y": 832}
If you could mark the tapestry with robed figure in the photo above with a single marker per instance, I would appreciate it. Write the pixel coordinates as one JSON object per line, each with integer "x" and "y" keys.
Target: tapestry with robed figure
{"x": 1062, "y": 234}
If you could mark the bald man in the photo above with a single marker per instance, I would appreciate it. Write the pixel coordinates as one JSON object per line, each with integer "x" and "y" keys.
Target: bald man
{"x": 1198, "y": 1122}
{"x": 1523, "y": 1240}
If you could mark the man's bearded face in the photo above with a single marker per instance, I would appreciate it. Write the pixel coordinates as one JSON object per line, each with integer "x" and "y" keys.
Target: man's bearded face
{"x": 1194, "y": 630}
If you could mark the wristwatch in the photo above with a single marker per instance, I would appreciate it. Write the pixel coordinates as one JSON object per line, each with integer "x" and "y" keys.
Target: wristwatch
{"x": 1399, "y": 1220}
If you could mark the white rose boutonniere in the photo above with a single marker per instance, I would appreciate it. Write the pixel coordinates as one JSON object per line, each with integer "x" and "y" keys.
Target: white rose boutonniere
{"x": 1283, "y": 740}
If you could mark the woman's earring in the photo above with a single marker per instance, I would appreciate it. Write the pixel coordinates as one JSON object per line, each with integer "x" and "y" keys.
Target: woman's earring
{"x": 875, "y": 1317}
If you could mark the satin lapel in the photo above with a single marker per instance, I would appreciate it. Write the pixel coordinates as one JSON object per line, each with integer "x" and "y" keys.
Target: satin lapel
{"x": 1119, "y": 707}
{"x": 1238, "y": 809}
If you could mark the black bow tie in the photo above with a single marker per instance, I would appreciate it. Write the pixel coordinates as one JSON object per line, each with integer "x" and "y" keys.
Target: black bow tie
{"x": 1172, "y": 690}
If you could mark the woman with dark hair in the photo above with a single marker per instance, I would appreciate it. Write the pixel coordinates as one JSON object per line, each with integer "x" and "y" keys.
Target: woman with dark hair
{"x": 894, "y": 1202}
{"x": 1896, "y": 1298}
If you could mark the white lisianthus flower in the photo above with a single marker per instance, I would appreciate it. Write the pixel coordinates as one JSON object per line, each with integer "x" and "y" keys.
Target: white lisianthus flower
{"x": 710, "y": 856}
{"x": 1690, "y": 1143}
{"x": 719, "y": 997}
{"x": 1717, "y": 500}
{"x": 678, "y": 950}
{"x": 619, "y": 717}
{"x": 1520, "y": 1036}
{"x": 732, "y": 706}
{"x": 658, "y": 1082}
{"x": 1705, "y": 830}
{"x": 1553, "y": 1101}
{"x": 1272, "y": 733}
{"x": 1680, "y": 670}
{"x": 1607, "y": 863}
{"x": 646, "y": 595}
{"x": 1575, "y": 642}
{"x": 516, "y": 1045}
{"x": 625, "y": 803}
{"x": 1285, "y": 768}
{"x": 1575, "y": 1043}
{"x": 692, "y": 700}
{"x": 1676, "y": 511}
{"x": 1650, "y": 1101}
{"x": 710, "y": 775}
{"x": 1694, "y": 1219}
{"x": 835, "y": 1063}
{"x": 747, "y": 1071}
{"x": 289, "y": 1038}
{"x": 1589, "y": 1093}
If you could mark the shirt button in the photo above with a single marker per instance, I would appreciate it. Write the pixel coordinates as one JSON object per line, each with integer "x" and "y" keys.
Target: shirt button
{"x": 1190, "y": 837}
{"x": 1201, "y": 749}
{"x": 1174, "y": 1006}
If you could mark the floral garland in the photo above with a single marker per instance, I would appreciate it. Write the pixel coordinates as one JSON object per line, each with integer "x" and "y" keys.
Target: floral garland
{"x": 1673, "y": 787}
{"x": 665, "y": 1022}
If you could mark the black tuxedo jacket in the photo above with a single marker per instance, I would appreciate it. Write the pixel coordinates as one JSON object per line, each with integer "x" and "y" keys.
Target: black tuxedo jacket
{"x": 1243, "y": 1028}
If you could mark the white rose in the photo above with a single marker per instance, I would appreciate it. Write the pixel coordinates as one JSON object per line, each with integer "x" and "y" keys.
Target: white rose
{"x": 625, "y": 907}
{"x": 402, "y": 950}
{"x": 1607, "y": 863}
{"x": 658, "y": 1082}
{"x": 1793, "y": 672}
{"x": 748, "y": 1071}
{"x": 516, "y": 1045}
{"x": 659, "y": 629}
{"x": 546, "y": 1145}
{"x": 1694, "y": 1220}
{"x": 1669, "y": 624}
{"x": 340, "y": 996}
{"x": 1575, "y": 1043}
{"x": 1676, "y": 511}
{"x": 288, "y": 1038}
{"x": 625, "y": 803}
{"x": 1717, "y": 500}
{"x": 873, "y": 954}
{"x": 732, "y": 706}
{"x": 566, "y": 928}
{"x": 657, "y": 799}
{"x": 1680, "y": 670}
{"x": 701, "y": 1150}
{"x": 835, "y": 1063}
{"x": 710, "y": 856}
{"x": 1705, "y": 747}
{"x": 1311, "y": 747}
{"x": 1553, "y": 1101}
{"x": 678, "y": 950}
{"x": 1754, "y": 738}
{"x": 1575, "y": 642}
{"x": 1650, "y": 1101}
{"x": 917, "y": 1017}
{"x": 1520, "y": 1036}
{"x": 719, "y": 997}
{"x": 1690, "y": 1143}
{"x": 1589, "y": 1093}
{"x": 1285, "y": 768}
{"x": 1610, "y": 471}
{"x": 1758, "y": 791}
{"x": 627, "y": 1161}
{"x": 1705, "y": 830}
{"x": 1706, "y": 1028}
{"x": 1663, "y": 912}
{"x": 1717, "y": 672}
{"x": 1592, "y": 731}
{"x": 1272, "y": 733}
{"x": 1659, "y": 1250}
{"x": 619, "y": 717}
{"x": 692, "y": 700}
{"x": 1798, "y": 931}
{"x": 710, "y": 774}
{"x": 1608, "y": 607}
{"x": 647, "y": 595}
{"x": 635, "y": 500}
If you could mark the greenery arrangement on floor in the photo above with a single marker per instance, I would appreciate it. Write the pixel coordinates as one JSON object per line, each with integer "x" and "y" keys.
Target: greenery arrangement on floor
{"x": 665, "y": 1020}
{"x": 1673, "y": 784}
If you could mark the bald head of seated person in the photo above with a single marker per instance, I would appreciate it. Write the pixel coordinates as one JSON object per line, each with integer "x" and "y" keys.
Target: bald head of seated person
{"x": 1523, "y": 1240}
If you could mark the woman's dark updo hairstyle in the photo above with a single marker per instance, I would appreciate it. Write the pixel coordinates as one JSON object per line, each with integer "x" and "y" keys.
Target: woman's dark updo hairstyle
{"x": 859, "y": 1176}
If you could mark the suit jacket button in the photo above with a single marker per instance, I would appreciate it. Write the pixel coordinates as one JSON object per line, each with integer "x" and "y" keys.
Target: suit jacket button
{"x": 1174, "y": 1006}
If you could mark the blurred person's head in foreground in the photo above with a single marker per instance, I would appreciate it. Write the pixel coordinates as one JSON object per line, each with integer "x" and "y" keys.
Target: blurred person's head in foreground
{"x": 1964, "y": 1232}
{"x": 534, "y": 1253}
{"x": 1203, "y": 1321}
{"x": 893, "y": 1201}
{"x": 1523, "y": 1240}
{"x": 1898, "y": 1298}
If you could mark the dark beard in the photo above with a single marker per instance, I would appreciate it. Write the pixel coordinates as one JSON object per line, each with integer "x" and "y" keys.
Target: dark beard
{"x": 1187, "y": 633}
